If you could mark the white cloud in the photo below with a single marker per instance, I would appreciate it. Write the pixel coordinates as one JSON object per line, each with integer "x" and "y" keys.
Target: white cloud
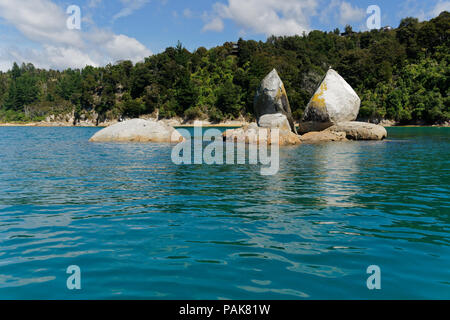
{"x": 59, "y": 56}
{"x": 340, "y": 13}
{"x": 216, "y": 24}
{"x": 440, "y": 6}
{"x": 129, "y": 7}
{"x": 271, "y": 17}
{"x": 44, "y": 23}
{"x": 349, "y": 14}
{"x": 121, "y": 46}
{"x": 274, "y": 17}
{"x": 187, "y": 13}
{"x": 39, "y": 20}
{"x": 421, "y": 11}
{"x": 47, "y": 57}
{"x": 94, "y": 3}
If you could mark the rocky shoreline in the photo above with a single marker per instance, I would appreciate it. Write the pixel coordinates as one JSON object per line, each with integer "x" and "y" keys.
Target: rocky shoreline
{"x": 384, "y": 123}
{"x": 175, "y": 122}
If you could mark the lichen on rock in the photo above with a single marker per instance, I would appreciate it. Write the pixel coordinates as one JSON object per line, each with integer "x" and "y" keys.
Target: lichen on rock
{"x": 271, "y": 98}
{"x": 334, "y": 101}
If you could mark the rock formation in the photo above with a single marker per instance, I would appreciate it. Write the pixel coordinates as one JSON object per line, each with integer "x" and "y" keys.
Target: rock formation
{"x": 138, "y": 130}
{"x": 310, "y": 126}
{"x": 271, "y": 98}
{"x": 350, "y": 130}
{"x": 323, "y": 136}
{"x": 334, "y": 101}
{"x": 332, "y": 111}
{"x": 253, "y": 134}
{"x": 360, "y": 130}
{"x": 276, "y": 120}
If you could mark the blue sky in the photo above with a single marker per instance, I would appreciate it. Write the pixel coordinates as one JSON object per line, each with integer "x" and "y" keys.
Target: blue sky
{"x": 35, "y": 30}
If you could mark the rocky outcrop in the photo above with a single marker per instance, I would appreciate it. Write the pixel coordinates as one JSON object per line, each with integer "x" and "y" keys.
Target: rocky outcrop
{"x": 323, "y": 136}
{"x": 271, "y": 98}
{"x": 387, "y": 123}
{"x": 360, "y": 130}
{"x": 138, "y": 130}
{"x": 334, "y": 101}
{"x": 276, "y": 120}
{"x": 350, "y": 130}
{"x": 310, "y": 126}
{"x": 331, "y": 112}
{"x": 252, "y": 134}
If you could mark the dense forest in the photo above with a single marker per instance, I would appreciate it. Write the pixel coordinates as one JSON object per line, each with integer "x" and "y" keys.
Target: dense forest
{"x": 401, "y": 74}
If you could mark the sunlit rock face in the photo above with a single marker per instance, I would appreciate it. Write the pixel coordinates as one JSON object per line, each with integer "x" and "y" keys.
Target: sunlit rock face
{"x": 138, "y": 130}
{"x": 350, "y": 130}
{"x": 334, "y": 101}
{"x": 271, "y": 98}
{"x": 360, "y": 130}
{"x": 323, "y": 136}
{"x": 277, "y": 120}
{"x": 254, "y": 134}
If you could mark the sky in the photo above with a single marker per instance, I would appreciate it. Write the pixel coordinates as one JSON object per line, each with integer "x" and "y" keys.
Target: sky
{"x": 38, "y": 31}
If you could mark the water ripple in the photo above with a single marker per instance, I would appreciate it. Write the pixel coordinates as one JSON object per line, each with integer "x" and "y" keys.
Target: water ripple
{"x": 142, "y": 227}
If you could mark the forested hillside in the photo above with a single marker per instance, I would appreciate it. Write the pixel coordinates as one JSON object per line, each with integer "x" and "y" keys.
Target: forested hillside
{"x": 401, "y": 74}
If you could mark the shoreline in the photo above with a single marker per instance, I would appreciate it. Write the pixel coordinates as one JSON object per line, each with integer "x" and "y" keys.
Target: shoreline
{"x": 233, "y": 124}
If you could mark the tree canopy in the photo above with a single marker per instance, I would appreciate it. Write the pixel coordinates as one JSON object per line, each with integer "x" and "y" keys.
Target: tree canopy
{"x": 400, "y": 74}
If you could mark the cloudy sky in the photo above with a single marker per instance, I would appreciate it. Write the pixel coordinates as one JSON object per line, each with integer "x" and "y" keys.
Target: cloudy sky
{"x": 36, "y": 30}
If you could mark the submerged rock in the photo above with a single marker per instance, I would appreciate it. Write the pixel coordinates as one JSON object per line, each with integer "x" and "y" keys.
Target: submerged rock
{"x": 138, "y": 130}
{"x": 271, "y": 98}
{"x": 334, "y": 101}
{"x": 360, "y": 130}
{"x": 252, "y": 134}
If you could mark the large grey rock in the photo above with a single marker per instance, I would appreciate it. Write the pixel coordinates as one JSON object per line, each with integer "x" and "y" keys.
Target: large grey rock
{"x": 277, "y": 120}
{"x": 360, "y": 130}
{"x": 138, "y": 130}
{"x": 272, "y": 98}
{"x": 334, "y": 101}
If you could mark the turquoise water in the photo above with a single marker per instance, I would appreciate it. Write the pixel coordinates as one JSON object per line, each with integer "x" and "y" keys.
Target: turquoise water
{"x": 141, "y": 227}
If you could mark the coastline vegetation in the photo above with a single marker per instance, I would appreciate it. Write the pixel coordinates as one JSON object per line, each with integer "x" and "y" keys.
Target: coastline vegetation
{"x": 401, "y": 74}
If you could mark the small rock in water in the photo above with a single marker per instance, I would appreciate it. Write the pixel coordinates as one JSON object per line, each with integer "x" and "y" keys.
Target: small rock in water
{"x": 138, "y": 130}
{"x": 252, "y": 134}
{"x": 271, "y": 98}
{"x": 360, "y": 130}
{"x": 323, "y": 136}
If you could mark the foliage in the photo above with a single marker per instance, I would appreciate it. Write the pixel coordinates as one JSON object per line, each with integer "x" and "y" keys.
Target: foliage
{"x": 400, "y": 74}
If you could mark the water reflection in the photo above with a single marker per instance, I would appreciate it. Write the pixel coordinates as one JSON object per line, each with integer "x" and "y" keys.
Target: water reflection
{"x": 335, "y": 166}
{"x": 133, "y": 220}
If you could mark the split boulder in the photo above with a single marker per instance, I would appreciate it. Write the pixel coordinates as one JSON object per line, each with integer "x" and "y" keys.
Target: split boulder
{"x": 271, "y": 98}
{"x": 333, "y": 102}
